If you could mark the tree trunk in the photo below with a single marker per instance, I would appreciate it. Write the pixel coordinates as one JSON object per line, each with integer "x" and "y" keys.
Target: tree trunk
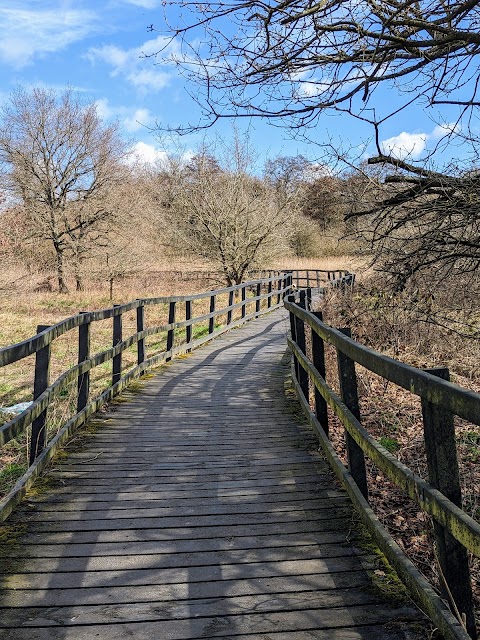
{"x": 78, "y": 282}
{"x": 62, "y": 286}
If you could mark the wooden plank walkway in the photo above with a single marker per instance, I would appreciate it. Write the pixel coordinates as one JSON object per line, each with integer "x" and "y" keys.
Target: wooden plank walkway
{"x": 200, "y": 509}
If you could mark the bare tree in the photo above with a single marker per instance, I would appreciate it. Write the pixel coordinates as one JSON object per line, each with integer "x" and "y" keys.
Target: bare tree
{"x": 287, "y": 175}
{"x": 422, "y": 226}
{"x": 294, "y": 61}
{"x": 308, "y": 56}
{"x": 227, "y": 216}
{"x": 60, "y": 159}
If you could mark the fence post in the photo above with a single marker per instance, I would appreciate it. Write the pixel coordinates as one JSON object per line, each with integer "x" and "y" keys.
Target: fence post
{"x": 302, "y": 375}
{"x": 308, "y": 278}
{"x": 244, "y": 297}
{"x": 302, "y": 295}
{"x": 188, "y": 328}
{"x": 318, "y": 351}
{"x": 231, "y": 295}
{"x": 40, "y": 383}
{"x": 140, "y": 327}
{"x": 269, "y": 299}
{"x": 293, "y": 332}
{"x": 308, "y": 293}
{"x": 349, "y": 393}
{"x": 288, "y": 283}
{"x": 279, "y": 285}
{"x": 441, "y": 450}
{"x": 258, "y": 301}
{"x": 211, "y": 321}
{"x": 117, "y": 337}
{"x": 171, "y": 332}
{"x": 83, "y": 382}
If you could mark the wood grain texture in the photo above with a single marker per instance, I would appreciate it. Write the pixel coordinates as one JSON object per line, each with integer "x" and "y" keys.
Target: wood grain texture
{"x": 201, "y": 508}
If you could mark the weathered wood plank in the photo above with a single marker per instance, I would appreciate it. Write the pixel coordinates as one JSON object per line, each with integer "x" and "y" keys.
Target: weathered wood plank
{"x": 303, "y": 525}
{"x": 200, "y": 509}
{"x": 188, "y": 608}
{"x": 180, "y": 511}
{"x": 227, "y": 571}
{"x": 151, "y": 500}
{"x": 129, "y": 562}
{"x": 223, "y": 625}
{"x": 158, "y": 547}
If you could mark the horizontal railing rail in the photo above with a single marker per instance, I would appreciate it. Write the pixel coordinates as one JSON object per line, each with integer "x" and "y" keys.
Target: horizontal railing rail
{"x": 239, "y": 304}
{"x": 455, "y": 531}
{"x": 320, "y": 278}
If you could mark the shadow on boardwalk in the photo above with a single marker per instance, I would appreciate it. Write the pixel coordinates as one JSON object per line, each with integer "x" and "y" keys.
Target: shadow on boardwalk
{"x": 200, "y": 509}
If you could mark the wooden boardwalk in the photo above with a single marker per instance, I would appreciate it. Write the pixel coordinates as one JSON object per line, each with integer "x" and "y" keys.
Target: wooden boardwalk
{"x": 199, "y": 509}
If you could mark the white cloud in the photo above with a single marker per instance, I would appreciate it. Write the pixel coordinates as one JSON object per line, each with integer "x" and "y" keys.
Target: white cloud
{"x": 444, "y": 129}
{"x": 27, "y": 33}
{"x": 412, "y": 145}
{"x": 104, "y": 110}
{"x": 144, "y": 153}
{"x": 140, "y": 119}
{"x": 150, "y": 78}
{"x": 132, "y": 64}
{"x": 132, "y": 119}
{"x": 405, "y": 145}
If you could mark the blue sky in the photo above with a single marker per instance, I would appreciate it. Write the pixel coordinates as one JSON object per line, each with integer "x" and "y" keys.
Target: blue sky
{"x": 98, "y": 48}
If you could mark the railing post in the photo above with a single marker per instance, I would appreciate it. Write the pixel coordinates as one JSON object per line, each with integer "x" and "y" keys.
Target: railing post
{"x": 244, "y": 297}
{"x": 308, "y": 293}
{"x": 308, "y": 278}
{"x": 441, "y": 450}
{"x": 83, "y": 382}
{"x": 231, "y": 295}
{"x": 269, "y": 299}
{"x": 140, "y": 327}
{"x": 293, "y": 332}
{"x": 302, "y": 375}
{"x": 349, "y": 393}
{"x": 117, "y": 338}
{"x": 318, "y": 352}
{"x": 211, "y": 322}
{"x": 171, "y": 332}
{"x": 188, "y": 328}
{"x": 303, "y": 296}
{"x": 40, "y": 383}
{"x": 258, "y": 301}
{"x": 318, "y": 280}
{"x": 288, "y": 283}
{"x": 279, "y": 285}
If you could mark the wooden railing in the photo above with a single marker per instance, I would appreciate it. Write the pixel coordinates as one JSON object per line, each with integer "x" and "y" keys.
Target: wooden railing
{"x": 245, "y": 301}
{"x": 455, "y": 531}
{"x": 316, "y": 278}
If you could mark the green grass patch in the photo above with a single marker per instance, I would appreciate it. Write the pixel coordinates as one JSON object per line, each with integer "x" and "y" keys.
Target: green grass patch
{"x": 9, "y": 475}
{"x": 390, "y": 444}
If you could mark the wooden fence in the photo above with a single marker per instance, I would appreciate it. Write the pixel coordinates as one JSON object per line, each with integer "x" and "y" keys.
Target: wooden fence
{"x": 455, "y": 531}
{"x": 254, "y": 298}
{"x": 315, "y": 278}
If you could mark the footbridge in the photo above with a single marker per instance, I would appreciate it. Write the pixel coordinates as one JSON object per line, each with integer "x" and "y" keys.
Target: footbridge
{"x": 203, "y": 502}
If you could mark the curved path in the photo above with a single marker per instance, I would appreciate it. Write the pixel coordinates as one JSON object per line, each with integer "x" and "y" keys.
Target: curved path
{"x": 199, "y": 509}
